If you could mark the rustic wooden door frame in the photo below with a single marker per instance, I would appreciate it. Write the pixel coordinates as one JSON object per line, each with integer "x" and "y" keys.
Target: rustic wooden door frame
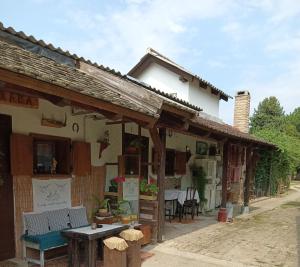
{"x": 10, "y": 248}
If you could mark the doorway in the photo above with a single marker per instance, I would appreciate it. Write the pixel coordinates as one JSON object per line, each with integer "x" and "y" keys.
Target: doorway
{"x": 7, "y": 240}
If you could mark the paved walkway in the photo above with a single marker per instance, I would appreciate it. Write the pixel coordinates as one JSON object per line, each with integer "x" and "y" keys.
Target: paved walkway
{"x": 267, "y": 237}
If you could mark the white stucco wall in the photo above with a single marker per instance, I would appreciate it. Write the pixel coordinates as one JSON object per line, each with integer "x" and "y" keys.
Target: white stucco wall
{"x": 204, "y": 99}
{"x": 165, "y": 80}
{"x": 27, "y": 120}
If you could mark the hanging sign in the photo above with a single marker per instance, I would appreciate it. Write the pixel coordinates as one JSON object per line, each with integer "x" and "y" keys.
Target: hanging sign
{"x": 16, "y": 99}
{"x": 131, "y": 189}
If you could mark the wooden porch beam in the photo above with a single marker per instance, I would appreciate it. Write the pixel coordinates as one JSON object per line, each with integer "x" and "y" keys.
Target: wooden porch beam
{"x": 159, "y": 141}
{"x": 225, "y": 173}
{"x": 117, "y": 122}
{"x": 179, "y": 112}
{"x": 44, "y": 87}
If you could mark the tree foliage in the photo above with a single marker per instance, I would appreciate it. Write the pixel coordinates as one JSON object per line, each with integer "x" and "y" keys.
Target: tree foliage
{"x": 269, "y": 114}
{"x": 270, "y": 123}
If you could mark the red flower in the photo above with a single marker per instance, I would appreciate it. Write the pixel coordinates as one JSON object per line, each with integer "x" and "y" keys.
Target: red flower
{"x": 152, "y": 180}
{"x": 119, "y": 179}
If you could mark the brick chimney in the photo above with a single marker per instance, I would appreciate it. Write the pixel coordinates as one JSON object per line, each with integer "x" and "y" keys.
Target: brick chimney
{"x": 242, "y": 111}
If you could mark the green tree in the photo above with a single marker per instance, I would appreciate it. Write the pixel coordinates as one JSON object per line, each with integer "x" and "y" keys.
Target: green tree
{"x": 269, "y": 114}
{"x": 270, "y": 123}
{"x": 293, "y": 123}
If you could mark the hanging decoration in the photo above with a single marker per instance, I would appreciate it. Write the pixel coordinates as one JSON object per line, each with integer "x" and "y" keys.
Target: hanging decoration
{"x": 53, "y": 123}
{"x": 104, "y": 143}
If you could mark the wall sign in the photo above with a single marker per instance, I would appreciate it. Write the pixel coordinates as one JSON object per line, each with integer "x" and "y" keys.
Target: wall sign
{"x": 17, "y": 99}
{"x": 131, "y": 189}
{"x": 51, "y": 194}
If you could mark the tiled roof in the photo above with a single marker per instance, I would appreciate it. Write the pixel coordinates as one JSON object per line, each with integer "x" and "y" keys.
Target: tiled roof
{"x": 228, "y": 130}
{"x": 67, "y": 58}
{"x": 153, "y": 53}
{"x": 38, "y": 67}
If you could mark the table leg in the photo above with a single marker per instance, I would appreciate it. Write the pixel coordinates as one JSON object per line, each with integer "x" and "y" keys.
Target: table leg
{"x": 91, "y": 253}
{"x": 180, "y": 208}
{"x": 73, "y": 252}
{"x": 174, "y": 209}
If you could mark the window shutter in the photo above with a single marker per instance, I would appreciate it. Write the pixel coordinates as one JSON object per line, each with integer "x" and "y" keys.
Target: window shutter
{"x": 63, "y": 156}
{"x": 81, "y": 158}
{"x": 21, "y": 148}
{"x": 180, "y": 162}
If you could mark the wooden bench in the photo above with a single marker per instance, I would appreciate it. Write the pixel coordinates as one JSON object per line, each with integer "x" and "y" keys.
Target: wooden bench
{"x": 46, "y": 238}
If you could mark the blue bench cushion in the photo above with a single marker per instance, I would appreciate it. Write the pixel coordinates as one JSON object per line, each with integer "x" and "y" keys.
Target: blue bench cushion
{"x": 46, "y": 241}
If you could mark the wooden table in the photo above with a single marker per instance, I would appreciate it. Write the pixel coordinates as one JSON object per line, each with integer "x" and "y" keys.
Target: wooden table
{"x": 90, "y": 238}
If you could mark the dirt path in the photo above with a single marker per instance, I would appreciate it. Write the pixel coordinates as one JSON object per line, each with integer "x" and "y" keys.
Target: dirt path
{"x": 268, "y": 237}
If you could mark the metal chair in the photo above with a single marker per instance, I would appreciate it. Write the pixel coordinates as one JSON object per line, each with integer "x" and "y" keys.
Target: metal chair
{"x": 190, "y": 202}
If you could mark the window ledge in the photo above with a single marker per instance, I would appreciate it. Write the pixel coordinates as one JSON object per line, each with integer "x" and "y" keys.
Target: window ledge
{"x": 52, "y": 175}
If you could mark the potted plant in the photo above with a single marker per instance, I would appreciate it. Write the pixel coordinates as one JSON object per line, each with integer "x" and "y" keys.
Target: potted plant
{"x": 113, "y": 186}
{"x": 134, "y": 145}
{"x": 200, "y": 182}
{"x": 148, "y": 191}
{"x": 123, "y": 211}
{"x": 102, "y": 209}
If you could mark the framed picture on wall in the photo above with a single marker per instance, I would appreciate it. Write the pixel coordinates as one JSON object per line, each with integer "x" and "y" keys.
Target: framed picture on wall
{"x": 201, "y": 148}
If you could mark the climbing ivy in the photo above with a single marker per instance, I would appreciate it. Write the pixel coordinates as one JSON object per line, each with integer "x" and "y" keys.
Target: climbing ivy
{"x": 199, "y": 181}
{"x": 276, "y": 166}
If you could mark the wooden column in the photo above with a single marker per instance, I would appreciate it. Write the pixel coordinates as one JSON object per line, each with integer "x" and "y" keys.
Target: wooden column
{"x": 121, "y": 173}
{"x": 225, "y": 173}
{"x": 159, "y": 141}
{"x": 249, "y": 173}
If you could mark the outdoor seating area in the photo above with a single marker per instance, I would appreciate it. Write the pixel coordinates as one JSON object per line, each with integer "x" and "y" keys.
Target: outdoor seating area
{"x": 111, "y": 244}
{"x": 179, "y": 203}
{"x": 99, "y": 154}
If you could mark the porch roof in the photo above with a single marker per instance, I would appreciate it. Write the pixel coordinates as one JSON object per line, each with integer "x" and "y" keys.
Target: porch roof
{"x": 115, "y": 88}
{"x": 229, "y": 131}
{"x": 30, "y": 43}
{"x": 18, "y": 60}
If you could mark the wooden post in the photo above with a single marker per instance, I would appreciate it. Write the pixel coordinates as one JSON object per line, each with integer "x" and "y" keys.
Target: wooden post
{"x": 121, "y": 173}
{"x": 222, "y": 216}
{"x": 249, "y": 167}
{"x": 161, "y": 184}
{"x": 225, "y": 174}
{"x": 159, "y": 141}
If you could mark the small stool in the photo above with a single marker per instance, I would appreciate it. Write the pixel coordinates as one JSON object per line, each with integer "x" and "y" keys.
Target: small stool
{"x": 133, "y": 238}
{"x": 115, "y": 252}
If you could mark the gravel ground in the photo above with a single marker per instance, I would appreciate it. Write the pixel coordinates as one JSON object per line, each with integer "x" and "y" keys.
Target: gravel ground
{"x": 268, "y": 237}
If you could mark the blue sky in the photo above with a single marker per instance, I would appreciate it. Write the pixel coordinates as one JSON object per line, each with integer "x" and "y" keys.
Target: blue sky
{"x": 234, "y": 44}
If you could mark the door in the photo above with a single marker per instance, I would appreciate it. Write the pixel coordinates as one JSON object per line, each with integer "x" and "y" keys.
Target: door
{"x": 7, "y": 243}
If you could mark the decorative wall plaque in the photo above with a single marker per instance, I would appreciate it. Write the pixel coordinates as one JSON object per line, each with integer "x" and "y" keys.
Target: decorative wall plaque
{"x": 17, "y": 99}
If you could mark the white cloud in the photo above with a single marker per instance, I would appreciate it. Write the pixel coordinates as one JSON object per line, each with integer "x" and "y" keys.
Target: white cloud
{"x": 128, "y": 32}
{"x": 119, "y": 37}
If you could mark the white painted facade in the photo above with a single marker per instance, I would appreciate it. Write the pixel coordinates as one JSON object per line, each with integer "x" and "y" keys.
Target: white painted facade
{"x": 28, "y": 120}
{"x": 168, "y": 81}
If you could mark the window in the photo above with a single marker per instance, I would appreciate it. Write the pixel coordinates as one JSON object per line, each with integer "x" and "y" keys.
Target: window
{"x": 135, "y": 146}
{"x": 51, "y": 155}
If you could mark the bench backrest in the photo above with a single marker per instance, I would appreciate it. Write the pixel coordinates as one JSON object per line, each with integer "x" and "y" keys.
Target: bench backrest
{"x": 36, "y": 223}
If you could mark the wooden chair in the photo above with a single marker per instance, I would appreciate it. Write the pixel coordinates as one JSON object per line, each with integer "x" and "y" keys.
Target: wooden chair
{"x": 190, "y": 202}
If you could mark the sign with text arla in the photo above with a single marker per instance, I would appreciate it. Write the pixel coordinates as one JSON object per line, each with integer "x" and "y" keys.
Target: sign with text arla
{"x": 16, "y": 99}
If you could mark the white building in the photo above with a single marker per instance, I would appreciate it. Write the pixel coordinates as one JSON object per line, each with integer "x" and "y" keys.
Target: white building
{"x": 160, "y": 72}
